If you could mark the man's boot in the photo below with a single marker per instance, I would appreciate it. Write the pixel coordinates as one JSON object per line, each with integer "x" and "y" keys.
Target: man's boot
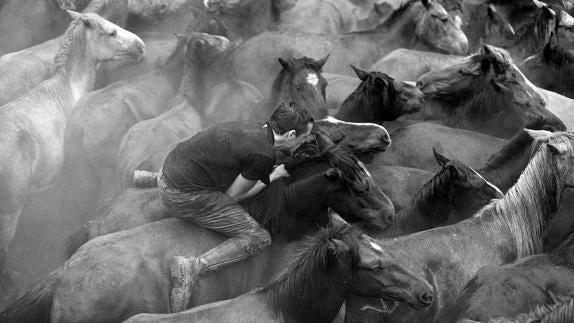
{"x": 184, "y": 274}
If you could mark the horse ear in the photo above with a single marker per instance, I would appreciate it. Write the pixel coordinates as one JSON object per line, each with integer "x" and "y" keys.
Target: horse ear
{"x": 335, "y": 220}
{"x": 537, "y": 134}
{"x": 333, "y": 174}
{"x": 426, "y": 3}
{"x": 440, "y": 158}
{"x": 286, "y": 65}
{"x": 361, "y": 74}
{"x": 487, "y": 49}
{"x": 566, "y": 21}
{"x": 491, "y": 11}
{"x": 548, "y": 13}
{"x": 75, "y": 15}
{"x": 322, "y": 61}
{"x": 498, "y": 86}
{"x": 557, "y": 148}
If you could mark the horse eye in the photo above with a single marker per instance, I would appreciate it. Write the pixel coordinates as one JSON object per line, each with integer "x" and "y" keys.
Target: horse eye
{"x": 444, "y": 19}
{"x": 376, "y": 269}
{"x": 113, "y": 33}
{"x": 298, "y": 86}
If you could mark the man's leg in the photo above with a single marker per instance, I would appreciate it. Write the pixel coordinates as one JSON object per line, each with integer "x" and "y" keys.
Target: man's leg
{"x": 218, "y": 212}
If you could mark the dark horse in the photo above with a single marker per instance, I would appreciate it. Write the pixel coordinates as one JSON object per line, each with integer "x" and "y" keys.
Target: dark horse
{"x": 327, "y": 267}
{"x": 503, "y": 231}
{"x": 374, "y": 100}
{"x": 487, "y": 93}
{"x": 511, "y": 289}
{"x": 552, "y": 68}
{"x": 453, "y": 194}
{"x": 134, "y": 262}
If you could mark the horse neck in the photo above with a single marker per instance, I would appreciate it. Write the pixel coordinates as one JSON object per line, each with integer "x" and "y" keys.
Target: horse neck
{"x": 297, "y": 196}
{"x": 388, "y": 36}
{"x": 429, "y": 201}
{"x": 505, "y": 168}
{"x": 278, "y": 93}
{"x": 529, "y": 205}
{"x": 195, "y": 80}
{"x": 76, "y": 66}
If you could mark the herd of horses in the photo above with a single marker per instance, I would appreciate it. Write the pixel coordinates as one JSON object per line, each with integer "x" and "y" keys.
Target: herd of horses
{"x": 437, "y": 185}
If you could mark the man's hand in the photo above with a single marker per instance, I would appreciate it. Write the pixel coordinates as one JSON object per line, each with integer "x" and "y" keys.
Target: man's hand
{"x": 278, "y": 172}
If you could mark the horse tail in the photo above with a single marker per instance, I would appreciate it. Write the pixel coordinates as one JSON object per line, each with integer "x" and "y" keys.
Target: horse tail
{"x": 77, "y": 239}
{"x": 34, "y": 307}
{"x": 145, "y": 179}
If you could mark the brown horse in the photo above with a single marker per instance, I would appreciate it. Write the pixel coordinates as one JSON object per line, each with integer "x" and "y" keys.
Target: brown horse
{"x": 511, "y": 289}
{"x": 503, "y": 231}
{"x": 374, "y": 100}
{"x": 101, "y": 119}
{"x": 135, "y": 207}
{"x": 550, "y": 68}
{"x": 135, "y": 266}
{"x": 487, "y": 93}
{"x": 33, "y": 125}
{"x": 453, "y": 194}
{"x": 433, "y": 30}
{"x": 407, "y": 96}
{"x": 328, "y": 266}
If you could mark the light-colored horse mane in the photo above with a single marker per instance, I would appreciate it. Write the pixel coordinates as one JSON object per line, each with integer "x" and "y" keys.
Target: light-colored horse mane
{"x": 73, "y": 43}
{"x": 528, "y": 205}
{"x": 560, "y": 311}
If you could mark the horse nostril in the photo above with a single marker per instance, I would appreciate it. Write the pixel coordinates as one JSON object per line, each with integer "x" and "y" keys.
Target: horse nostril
{"x": 427, "y": 298}
{"x": 390, "y": 218}
{"x": 420, "y": 84}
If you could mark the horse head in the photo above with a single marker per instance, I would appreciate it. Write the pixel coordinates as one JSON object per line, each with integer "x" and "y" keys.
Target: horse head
{"x": 358, "y": 138}
{"x": 335, "y": 261}
{"x": 467, "y": 191}
{"x": 437, "y": 29}
{"x": 376, "y": 99}
{"x": 205, "y": 48}
{"x": 492, "y": 86}
{"x": 347, "y": 187}
{"x": 104, "y": 40}
{"x": 300, "y": 80}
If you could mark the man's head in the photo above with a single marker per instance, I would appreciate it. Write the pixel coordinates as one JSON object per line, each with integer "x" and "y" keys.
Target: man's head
{"x": 291, "y": 124}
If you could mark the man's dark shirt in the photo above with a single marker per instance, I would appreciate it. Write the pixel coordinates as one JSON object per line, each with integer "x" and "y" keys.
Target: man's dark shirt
{"x": 213, "y": 159}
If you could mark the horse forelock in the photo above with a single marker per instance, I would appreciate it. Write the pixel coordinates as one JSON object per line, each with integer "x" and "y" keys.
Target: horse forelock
{"x": 298, "y": 291}
{"x": 485, "y": 102}
{"x": 532, "y": 33}
{"x": 353, "y": 173}
{"x": 528, "y": 206}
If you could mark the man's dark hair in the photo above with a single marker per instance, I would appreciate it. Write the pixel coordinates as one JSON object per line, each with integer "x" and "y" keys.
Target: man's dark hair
{"x": 290, "y": 116}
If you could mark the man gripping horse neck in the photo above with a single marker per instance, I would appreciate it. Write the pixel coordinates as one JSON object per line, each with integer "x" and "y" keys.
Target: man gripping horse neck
{"x": 203, "y": 179}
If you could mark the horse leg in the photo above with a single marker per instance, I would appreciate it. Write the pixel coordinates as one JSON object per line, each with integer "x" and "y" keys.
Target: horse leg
{"x": 8, "y": 225}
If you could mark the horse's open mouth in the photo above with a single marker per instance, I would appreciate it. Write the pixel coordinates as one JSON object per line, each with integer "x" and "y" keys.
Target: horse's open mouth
{"x": 385, "y": 306}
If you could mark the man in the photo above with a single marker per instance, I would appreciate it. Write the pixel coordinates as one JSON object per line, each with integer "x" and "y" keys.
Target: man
{"x": 204, "y": 178}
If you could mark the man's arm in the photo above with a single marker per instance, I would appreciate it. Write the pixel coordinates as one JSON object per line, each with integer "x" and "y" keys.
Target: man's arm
{"x": 243, "y": 188}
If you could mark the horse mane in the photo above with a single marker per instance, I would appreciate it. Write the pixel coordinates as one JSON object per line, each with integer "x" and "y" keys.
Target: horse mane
{"x": 528, "y": 205}
{"x": 288, "y": 192}
{"x": 510, "y": 149}
{"x": 73, "y": 42}
{"x": 561, "y": 310}
{"x": 298, "y": 292}
{"x": 365, "y": 98}
{"x": 433, "y": 189}
{"x": 399, "y": 12}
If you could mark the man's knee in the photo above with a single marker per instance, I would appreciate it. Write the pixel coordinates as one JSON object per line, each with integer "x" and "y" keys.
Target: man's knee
{"x": 258, "y": 240}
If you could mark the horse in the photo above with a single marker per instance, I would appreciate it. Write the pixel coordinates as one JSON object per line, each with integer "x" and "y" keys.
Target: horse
{"x": 413, "y": 146}
{"x": 332, "y": 17}
{"x": 560, "y": 311}
{"x": 131, "y": 261}
{"x": 487, "y": 93}
{"x": 409, "y": 64}
{"x": 433, "y": 30}
{"x": 22, "y": 70}
{"x": 101, "y": 118}
{"x": 454, "y": 193}
{"x": 135, "y": 206}
{"x": 329, "y": 265}
{"x": 501, "y": 232}
{"x": 523, "y": 27}
{"x": 407, "y": 96}
{"x": 374, "y": 100}
{"x": 551, "y": 67}
{"x": 511, "y": 289}
{"x": 33, "y": 125}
